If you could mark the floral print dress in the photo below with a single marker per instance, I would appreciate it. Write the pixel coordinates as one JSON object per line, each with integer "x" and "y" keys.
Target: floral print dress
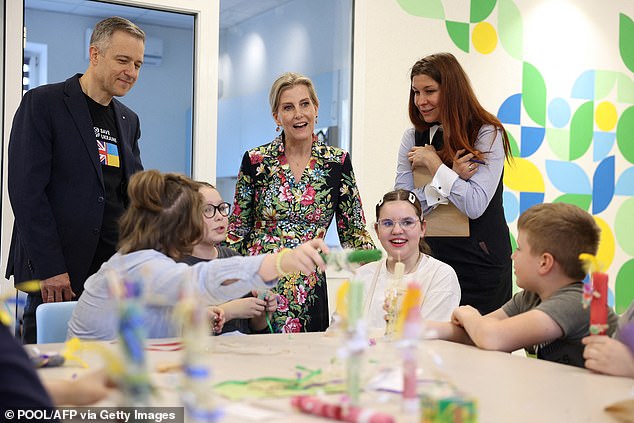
{"x": 272, "y": 211}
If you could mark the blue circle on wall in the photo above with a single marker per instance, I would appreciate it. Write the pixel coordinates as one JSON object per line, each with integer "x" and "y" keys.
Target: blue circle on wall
{"x": 559, "y": 112}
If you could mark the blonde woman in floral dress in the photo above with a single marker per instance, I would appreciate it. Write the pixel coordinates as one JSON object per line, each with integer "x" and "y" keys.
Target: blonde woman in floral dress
{"x": 288, "y": 192}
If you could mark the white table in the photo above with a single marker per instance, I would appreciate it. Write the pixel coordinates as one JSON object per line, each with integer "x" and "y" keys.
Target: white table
{"x": 508, "y": 388}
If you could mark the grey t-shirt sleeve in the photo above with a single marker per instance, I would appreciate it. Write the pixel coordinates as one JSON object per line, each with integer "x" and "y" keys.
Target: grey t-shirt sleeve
{"x": 517, "y": 304}
{"x": 566, "y": 309}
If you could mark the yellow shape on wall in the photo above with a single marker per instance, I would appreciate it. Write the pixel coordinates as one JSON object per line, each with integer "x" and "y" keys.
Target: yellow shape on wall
{"x": 522, "y": 175}
{"x": 484, "y": 38}
{"x": 606, "y": 116}
{"x": 605, "y": 255}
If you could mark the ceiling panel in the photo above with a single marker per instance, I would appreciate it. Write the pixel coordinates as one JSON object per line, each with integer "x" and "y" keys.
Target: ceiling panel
{"x": 232, "y": 12}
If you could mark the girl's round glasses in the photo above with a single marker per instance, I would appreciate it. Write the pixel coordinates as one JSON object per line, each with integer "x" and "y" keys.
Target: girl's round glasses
{"x": 405, "y": 224}
{"x": 210, "y": 209}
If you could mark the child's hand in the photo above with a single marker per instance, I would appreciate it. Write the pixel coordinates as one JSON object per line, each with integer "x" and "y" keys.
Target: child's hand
{"x": 217, "y": 317}
{"x": 305, "y": 258}
{"x": 268, "y": 301}
{"x": 463, "y": 313}
{"x": 606, "y": 355}
{"x": 85, "y": 390}
{"x": 244, "y": 308}
{"x": 269, "y": 297}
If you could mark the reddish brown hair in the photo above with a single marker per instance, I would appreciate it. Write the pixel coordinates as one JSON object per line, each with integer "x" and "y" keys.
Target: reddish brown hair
{"x": 461, "y": 114}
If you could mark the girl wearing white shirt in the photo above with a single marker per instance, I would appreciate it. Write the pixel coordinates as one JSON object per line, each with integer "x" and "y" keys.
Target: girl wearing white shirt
{"x": 401, "y": 230}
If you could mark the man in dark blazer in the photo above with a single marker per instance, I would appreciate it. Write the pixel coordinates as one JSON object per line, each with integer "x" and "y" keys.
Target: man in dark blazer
{"x": 72, "y": 149}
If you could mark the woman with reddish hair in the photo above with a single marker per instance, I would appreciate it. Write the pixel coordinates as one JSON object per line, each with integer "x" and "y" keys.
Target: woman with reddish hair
{"x": 462, "y": 148}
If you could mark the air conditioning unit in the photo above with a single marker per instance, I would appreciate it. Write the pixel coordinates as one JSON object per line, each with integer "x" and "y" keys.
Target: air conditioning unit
{"x": 153, "y": 55}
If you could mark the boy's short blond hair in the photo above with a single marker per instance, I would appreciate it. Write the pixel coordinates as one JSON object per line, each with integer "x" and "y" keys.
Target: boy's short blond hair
{"x": 563, "y": 230}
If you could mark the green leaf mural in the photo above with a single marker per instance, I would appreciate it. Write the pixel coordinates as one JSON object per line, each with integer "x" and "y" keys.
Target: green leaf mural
{"x": 604, "y": 82}
{"x": 624, "y": 292}
{"x": 624, "y": 231}
{"x": 559, "y": 142}
{"x": 534, "y": 94}
{"x": 425, "y": 8}
{"x": 459, "y": 33}
{"x": 513, "y": 242}
{"x": 515, "y": 149}
{"x": 582, "y": 201}
{"x": 511, "y": 29}
{"x": 625, "y": 89}
{"x": 625, "y": 134}
{"x": 595, "y": 121}
{"x": 581, "y": 130}
{"x": 623, "y": 228}
{"x": 626, "y": 43}
{"x": 481, "y": 9}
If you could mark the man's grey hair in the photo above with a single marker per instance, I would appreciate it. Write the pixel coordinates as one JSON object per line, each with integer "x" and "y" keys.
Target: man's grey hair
{"x": 102, "y": 33}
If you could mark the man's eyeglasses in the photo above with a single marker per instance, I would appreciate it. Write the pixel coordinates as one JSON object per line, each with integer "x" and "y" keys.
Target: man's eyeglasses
{"x": 210, "y": 210}
{"x": 405, "y": 224}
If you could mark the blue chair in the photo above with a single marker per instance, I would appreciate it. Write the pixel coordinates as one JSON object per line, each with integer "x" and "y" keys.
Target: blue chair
{"x": 51, "y": 320}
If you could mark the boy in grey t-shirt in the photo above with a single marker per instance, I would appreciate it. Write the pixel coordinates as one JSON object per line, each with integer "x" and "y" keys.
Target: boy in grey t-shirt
{"x": 546, "y": 318}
